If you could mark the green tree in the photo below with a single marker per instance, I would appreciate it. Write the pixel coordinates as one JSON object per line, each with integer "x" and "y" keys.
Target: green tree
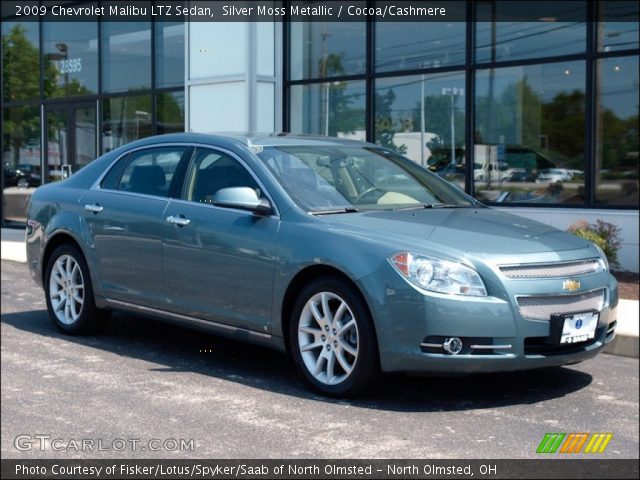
{"x": 20, "y": 76}
{"x": 386, "y": 130}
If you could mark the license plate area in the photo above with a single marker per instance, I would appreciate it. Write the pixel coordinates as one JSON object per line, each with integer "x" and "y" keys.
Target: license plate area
{"x": 572, "y": 328}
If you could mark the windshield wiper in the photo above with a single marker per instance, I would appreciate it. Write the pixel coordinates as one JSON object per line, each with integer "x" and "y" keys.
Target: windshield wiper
{"x": 334, "y": 211}
{"x": 432, "y": 205}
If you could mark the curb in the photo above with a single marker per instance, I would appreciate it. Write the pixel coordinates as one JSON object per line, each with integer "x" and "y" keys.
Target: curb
{"x": 625, "y": 342}
{"x": 14, "y": 251}
{"x": 623, "y": 346}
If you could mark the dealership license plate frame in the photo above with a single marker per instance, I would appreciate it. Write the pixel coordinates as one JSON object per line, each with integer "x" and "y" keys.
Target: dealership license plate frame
{"x": 564, "y": 329}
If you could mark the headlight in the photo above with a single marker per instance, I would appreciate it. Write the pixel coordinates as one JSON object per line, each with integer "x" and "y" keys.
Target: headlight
{"x": 604, "y": 263}
{"x": 438, "y": 275}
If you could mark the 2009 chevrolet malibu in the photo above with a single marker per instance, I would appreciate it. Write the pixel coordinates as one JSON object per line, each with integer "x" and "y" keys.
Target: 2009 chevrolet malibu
{"x": 346, "y": 255}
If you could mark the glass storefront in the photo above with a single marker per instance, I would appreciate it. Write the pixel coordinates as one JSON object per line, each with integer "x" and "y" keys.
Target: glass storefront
{"x": 126, "y": 56}
{"x": 529, "y": 133}
{"x": 70, "y": 58}
{"x": 617, "y": 136}
{"x": 542, "y": 111}
{"x": 336, "y": 109}
{"x": 74, "y": 90}
{"x": 422, "y": 117}
{"x": 555, "y": 33}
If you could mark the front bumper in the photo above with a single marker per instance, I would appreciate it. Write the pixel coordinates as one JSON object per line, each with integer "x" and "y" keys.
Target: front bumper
{"x": 412, "y": 327}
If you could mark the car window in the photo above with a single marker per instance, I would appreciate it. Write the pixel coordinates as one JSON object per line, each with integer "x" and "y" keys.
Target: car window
{"x": 213, "y": 170}
{"x": 329, "y": 177}
{"x": 151, "y": 171}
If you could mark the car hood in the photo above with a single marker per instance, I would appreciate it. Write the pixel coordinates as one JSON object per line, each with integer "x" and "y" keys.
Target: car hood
{"x": 475, "y": 231}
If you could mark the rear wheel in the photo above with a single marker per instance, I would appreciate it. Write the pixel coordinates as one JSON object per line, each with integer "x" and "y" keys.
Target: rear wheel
{"x": 332, "y": 338}
{"x": 69, "y": 293}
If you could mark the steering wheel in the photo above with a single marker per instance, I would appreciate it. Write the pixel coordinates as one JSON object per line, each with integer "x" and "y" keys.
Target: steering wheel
{"x": 368, "y": 191}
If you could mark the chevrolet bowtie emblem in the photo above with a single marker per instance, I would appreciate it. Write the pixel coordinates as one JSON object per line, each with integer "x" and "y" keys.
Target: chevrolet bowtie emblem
{"x": 571, "y": 285}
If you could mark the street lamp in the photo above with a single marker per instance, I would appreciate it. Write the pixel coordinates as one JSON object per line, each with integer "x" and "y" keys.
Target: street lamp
{"x": 63, "y": 48}
{"x": 452, "y": 92}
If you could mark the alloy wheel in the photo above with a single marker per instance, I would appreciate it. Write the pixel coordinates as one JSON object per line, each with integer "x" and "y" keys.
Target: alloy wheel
{"x": 328, "y": 338}
{"x": 66, "y": 289}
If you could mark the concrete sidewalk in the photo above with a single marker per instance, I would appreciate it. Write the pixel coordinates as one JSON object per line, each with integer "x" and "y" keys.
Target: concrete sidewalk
{"x": 625, "y": 342}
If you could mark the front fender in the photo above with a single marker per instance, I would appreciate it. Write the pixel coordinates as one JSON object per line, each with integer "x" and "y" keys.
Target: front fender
{"x": 302, "y": 245}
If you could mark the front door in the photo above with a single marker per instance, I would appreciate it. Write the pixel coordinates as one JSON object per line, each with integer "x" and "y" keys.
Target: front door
{"x": 71, "y": 138}
{"x": 219, "y": 262}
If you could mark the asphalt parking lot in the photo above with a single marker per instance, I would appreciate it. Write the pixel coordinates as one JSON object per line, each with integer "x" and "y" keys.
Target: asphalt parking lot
{"x": 142, "y": 380}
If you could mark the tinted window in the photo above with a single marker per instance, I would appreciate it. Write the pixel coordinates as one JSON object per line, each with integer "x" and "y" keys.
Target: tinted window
{"x": 501, "y": 35}
{"x": 169, "y": 54}
{"x": 327, "y": 49}
{"x": 212, "y": 171}
{"x": 336, "y": 109}
{"x": 530, "y": 118}
{"x": 618, "y": 29}
{"x": 125, "y": 119}
{"x": 423, "y": 118}
{"x": 151, "y": 171}
{"x": 126, "y": 56}
{"x": 111, "y": 179}
{"x": 20, "y": 61}
{"x": 170, "y": 112}
{"x": 617, "y": 131}
{"x": 70, "y": 56}
{"x": 411, "y": 45}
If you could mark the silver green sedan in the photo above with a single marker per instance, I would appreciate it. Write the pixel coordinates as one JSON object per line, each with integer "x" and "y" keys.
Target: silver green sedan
{"x": 346, "y": 255}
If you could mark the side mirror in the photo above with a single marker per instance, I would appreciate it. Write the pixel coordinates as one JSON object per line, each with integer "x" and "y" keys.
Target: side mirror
{"x": 244, "y": 198}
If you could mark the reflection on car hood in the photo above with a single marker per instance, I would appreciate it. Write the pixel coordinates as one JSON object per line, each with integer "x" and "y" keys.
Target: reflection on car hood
{"x": 469, "y": 230}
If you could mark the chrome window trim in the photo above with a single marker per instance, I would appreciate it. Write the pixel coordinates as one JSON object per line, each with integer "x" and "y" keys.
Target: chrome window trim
{"x": 96, "y": 184}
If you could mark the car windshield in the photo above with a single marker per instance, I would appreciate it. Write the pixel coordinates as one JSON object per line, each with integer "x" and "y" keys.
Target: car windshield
{"x": 349, "y": 178}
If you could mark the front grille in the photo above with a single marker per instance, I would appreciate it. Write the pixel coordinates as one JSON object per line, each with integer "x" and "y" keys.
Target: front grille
{"x": 551, "y": 270}
{"x": 542, "y": 307}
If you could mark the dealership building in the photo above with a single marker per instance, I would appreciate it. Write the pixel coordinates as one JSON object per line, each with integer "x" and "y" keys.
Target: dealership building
{"x": 538, "y": 118}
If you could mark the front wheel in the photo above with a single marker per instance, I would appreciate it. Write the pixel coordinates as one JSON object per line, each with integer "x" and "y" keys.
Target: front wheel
{"x": 69, "y": 293}
{"x": 332, "y": 338}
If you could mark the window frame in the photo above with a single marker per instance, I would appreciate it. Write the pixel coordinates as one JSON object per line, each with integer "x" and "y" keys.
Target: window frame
{"x": 182, "y": 198}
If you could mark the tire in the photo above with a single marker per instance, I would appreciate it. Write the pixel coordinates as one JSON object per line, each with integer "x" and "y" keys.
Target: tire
{"x": 346, "y": 344}
{"x": 69, "y": 293}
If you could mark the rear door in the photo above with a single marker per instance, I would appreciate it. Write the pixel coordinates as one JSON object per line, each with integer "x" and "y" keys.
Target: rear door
{"x": 125, "y": 219}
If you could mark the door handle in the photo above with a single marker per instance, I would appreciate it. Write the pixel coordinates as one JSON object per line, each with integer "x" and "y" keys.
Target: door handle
{"x": 180, "y": 221}
{"x": 93, "y": 208}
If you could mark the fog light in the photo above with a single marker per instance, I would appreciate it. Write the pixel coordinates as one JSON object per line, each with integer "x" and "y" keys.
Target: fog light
{"x": 452, "y": 345}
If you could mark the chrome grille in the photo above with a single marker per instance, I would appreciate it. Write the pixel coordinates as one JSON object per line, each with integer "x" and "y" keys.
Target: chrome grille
{"x": 542, "y": 307}
{"x": 551, "y": 270}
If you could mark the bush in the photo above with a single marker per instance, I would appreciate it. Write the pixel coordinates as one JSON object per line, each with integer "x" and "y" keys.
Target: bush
{"x": 604, "y": 234}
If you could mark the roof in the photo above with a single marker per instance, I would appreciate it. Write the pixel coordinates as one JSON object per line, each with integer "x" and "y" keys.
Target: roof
{"x": 263, "y": 139}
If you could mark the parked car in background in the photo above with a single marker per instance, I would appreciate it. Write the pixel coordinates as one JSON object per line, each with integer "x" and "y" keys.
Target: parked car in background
{"x": 521, "y": 175}
{"x": 22, "y": 176}
{"x": 348, "y": 256}
{"x": 553, "y": 175}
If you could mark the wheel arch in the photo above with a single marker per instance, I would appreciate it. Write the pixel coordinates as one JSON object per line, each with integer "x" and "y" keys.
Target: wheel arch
{"x": 300, "y": 280}
{"x": 56, "y": 240}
